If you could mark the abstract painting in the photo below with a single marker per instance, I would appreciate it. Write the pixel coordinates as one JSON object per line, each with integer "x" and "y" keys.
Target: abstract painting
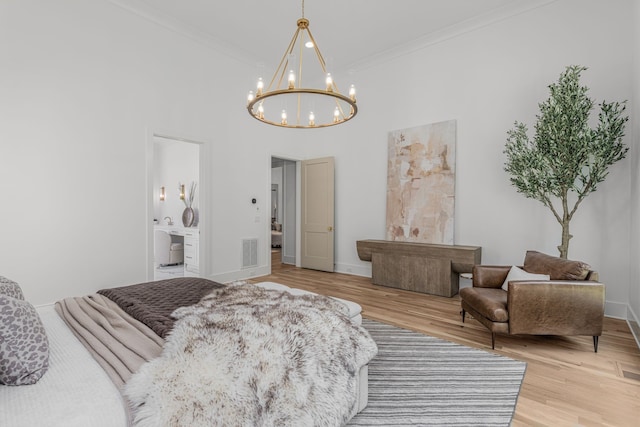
{"x": 421, "y": 183}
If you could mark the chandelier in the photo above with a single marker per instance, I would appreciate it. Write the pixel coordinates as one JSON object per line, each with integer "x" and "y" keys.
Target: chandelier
{"x": 285, "y": 102}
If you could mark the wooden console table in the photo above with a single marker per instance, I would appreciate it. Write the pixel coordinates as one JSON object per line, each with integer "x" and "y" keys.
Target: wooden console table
{"x": 420, "y": 267}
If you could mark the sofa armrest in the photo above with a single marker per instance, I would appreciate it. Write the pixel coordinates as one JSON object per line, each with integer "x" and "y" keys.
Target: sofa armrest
{"x": 489, "y": 276}
{"x": 557, "y": 307}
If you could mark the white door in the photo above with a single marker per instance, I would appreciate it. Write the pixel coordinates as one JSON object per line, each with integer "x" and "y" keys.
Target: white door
{"x": 317, "y": 214}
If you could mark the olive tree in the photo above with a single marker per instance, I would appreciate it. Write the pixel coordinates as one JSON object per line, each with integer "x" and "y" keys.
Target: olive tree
{"x": 566, "y": 159}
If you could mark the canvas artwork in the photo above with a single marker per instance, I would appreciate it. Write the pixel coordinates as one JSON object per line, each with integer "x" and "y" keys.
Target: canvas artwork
{"x": 421, "y": 183}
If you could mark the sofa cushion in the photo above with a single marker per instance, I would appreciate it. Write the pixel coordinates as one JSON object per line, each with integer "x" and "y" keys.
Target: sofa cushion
{"x": 489, "y": 302}
{"x": 556, "y": 268}
{"x": 519, "y": 274}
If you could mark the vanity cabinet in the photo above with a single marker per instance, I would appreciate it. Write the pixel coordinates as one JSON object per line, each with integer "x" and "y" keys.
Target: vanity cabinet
{"x": 191, "y": 251}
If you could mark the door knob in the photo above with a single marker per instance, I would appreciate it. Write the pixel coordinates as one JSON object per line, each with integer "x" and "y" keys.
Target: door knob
{"x": 330, "y": 228}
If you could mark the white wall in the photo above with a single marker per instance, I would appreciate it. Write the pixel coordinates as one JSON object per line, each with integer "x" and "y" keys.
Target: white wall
{"x": 84, "y": 83}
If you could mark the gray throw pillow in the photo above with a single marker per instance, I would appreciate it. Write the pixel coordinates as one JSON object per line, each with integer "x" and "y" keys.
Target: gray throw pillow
{"x": 10, "y": 288}
{"x": 24, "y": 347}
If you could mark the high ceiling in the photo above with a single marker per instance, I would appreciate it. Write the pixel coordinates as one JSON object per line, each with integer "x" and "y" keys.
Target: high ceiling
{"x": 348, "y": 32}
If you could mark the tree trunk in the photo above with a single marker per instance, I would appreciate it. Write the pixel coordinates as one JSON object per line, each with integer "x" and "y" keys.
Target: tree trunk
{"x": 564, "y": 247}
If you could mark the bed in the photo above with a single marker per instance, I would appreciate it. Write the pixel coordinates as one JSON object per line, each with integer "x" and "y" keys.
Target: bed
{"x": 108, "y": 368}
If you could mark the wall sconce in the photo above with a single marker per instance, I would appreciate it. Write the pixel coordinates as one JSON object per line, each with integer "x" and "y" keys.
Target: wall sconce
{"x": 162, "y": 195}
{"x": 182, "y": 192}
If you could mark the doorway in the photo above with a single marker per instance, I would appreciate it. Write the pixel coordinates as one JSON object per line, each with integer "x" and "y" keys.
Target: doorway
{"x": 176, "y": 186}
{"x": 283, "y": 212}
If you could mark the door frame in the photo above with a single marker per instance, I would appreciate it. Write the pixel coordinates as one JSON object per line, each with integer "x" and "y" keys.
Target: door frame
{"x": 297, "y": 161}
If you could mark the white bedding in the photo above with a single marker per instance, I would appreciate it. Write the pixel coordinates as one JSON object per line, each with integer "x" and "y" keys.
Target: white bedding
{"x": 75, "y": 391}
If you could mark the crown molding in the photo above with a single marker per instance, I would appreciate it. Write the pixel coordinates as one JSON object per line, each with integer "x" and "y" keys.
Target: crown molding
{"x": 494, "y": 16}
{"x": 151, "y": 14}
{"x": 146, "y": 11}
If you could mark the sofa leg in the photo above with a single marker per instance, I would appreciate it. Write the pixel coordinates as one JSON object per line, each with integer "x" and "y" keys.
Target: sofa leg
{"x": 493, "y": 341}
{"x": 463, "y": 314}
{"x": 595, "y": 343}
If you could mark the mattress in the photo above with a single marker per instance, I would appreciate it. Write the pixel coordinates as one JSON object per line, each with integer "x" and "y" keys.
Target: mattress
{"x": 75, "y": 391}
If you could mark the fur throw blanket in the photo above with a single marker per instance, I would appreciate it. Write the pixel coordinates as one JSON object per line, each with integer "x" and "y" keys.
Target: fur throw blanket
{"x": 247, "y": 356}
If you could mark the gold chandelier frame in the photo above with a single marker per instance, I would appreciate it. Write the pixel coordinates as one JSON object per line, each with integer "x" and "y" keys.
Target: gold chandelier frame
{"x": 345, "y": 106}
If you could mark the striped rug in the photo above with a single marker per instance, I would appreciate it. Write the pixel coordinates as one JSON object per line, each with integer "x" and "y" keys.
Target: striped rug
{"x": 418, "y": 380}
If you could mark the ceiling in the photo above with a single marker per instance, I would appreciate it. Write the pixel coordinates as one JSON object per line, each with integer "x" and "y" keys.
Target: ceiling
{"x": 349, "y": 33}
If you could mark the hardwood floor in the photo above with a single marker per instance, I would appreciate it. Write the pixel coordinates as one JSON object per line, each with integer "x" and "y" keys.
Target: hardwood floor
{"x": 566, "y": 383}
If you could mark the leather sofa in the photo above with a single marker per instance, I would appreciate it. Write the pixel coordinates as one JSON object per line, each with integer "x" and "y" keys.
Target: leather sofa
{"x": 569, "y": 302}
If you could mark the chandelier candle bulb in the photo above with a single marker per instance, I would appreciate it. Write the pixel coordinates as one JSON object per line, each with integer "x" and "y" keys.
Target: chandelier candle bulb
{"x": 292, "y": 80}
{"x": 336, "y": 115}
{"x": 260, "y": 112}
{"x": 312, "y": 119}
{"x": 284, "y": 117}
{"x": 352, "y": 93}
{"x": 259, "y": 86}
{"x": 329, "y": 82}
{"x": 250, "y": 97}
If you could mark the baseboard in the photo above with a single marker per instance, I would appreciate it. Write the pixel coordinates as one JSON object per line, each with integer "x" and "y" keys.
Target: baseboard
{"x": 617, "y": 310}
{"x": 247, "y": 273}
{"x": 634, "y": 324}
{"x": 356, "y": 270}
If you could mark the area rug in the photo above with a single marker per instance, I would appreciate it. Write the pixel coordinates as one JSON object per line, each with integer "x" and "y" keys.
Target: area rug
{"x": 418, "y": 380}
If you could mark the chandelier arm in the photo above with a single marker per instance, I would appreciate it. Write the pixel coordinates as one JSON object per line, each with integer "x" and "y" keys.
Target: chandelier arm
{"x": 287, "y": 52}
{"x": 321, "y": 60}
{"x": 317, "y": 51}
{"x": 300, "y": 60}
{"x": 339, "y": 106}
{"x": 299, "y": 95}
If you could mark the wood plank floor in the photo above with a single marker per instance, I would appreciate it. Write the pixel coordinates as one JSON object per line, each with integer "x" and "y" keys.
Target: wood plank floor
{"x": 566, "y": 383}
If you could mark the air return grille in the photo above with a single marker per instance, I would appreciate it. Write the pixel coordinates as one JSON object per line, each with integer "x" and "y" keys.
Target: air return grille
{"x": 249, "y": 253}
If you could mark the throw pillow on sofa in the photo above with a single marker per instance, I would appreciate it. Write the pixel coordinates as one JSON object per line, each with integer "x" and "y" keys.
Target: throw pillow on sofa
{"x": 519, "y": 274}
{"x": 557, "y": 268}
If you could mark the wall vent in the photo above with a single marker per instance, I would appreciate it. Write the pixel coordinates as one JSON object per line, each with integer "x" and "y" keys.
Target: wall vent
{"x": 249, "y": 253}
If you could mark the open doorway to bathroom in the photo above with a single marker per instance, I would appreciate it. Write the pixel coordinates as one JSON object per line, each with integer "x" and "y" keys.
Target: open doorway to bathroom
{"x": 283, "y": 212}
{"x": 176, "y": 207}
